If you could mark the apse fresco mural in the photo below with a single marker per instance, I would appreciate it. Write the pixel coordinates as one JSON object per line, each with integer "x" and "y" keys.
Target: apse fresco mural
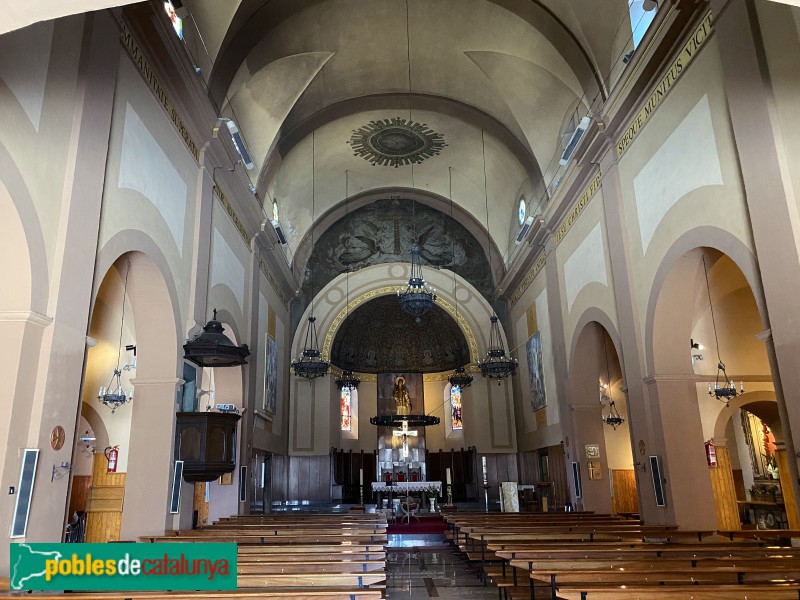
{"x": 382, "y": 232}
{"x": 536, "y": 371}
{"x": 378, "y": 336}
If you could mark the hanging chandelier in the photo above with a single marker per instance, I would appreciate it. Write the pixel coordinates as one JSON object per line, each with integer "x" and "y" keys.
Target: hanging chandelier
{"x": 496, "y": 365}
{"x": 113, "y": 395}
{"x": 346, "y": 379}
{"x": 310, "y": 364}
{"x": 724, "y": 388}
{"x": 416, "y": 298}
{"x": 610, "y": 416}
{"x": 460, "y": 378}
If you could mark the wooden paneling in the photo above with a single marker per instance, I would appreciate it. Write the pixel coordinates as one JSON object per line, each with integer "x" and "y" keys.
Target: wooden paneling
{"x": 301, "y": 478}
{"x": 199, "y": 503}
{"x": 724, "y": 492}
{"x": 625, "y": 499}
{"x": 79, "y": 494}
{"x": 104, "y": 504}
{"x": 786, "y": 489}
{"x": 105, "y": 499}
{"x": 558, "y": 473}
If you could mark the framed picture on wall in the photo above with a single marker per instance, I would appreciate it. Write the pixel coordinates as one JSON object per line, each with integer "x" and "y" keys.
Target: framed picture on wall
{"x": 536, "y": 371}
{"x": 270, "y": 375}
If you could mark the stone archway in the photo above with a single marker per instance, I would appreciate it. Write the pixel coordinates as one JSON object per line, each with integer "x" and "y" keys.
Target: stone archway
{"x": 680, "y": 312}
{"x": 595, "y": 380}
{"x": 763, "y": 404}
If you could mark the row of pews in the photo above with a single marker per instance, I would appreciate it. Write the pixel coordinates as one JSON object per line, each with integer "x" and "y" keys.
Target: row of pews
{"x": 304, "y": 556}
{"x": 584, "y": 556}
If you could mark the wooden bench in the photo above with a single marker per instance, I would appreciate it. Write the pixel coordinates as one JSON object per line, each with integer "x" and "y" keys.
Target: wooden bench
{"x": 287, "y": 594}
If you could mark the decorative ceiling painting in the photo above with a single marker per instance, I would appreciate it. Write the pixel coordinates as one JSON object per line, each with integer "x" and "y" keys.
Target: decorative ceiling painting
{"x": 382, "y": 232}
{"x": 379, "y": 337}
{"x": 395, "y": 142}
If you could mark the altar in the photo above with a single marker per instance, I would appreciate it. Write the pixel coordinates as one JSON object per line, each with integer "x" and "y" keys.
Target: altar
{"x": 401, "y": 489}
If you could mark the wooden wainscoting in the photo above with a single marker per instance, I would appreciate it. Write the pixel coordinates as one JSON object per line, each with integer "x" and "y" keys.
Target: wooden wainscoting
{"x": 724, "y": 492}
{"x": 625, "y": 499}
{"x": 200, "y": 505}
{"x": 104, "y": 504}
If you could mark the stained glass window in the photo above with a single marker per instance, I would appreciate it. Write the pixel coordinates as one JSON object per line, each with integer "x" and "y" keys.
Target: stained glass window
{"x": 455, "y": 407}
{"x": 346, "y": 409}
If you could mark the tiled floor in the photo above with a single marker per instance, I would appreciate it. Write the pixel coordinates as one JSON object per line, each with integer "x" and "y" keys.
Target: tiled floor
{"x": 424, "y": 566}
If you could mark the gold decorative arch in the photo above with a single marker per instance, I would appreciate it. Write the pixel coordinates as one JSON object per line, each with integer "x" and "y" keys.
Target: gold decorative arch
{"x": 385, "y": 291}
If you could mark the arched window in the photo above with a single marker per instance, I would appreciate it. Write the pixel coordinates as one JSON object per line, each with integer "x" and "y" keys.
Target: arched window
{"x": 455, "y": 408}
{"x": 346, "y": 409}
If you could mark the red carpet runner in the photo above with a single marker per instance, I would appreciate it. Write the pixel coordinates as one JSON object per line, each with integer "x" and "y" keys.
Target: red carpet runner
{"x": 427, "y": 524}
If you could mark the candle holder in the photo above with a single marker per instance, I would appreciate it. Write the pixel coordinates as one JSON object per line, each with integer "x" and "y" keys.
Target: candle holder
{"x": 449, "y": 494}
{"x": 361, "y": 495}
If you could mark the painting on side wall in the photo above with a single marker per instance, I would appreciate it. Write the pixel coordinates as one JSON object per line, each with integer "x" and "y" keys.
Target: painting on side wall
{"x": 536, "y": 371}
{"x": 270, "y": 376}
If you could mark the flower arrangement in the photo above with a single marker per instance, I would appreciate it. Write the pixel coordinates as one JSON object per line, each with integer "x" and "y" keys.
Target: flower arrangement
{"x": 431, "y": 492}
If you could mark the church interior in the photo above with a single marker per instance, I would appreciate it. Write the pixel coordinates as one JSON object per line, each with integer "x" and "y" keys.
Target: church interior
{"x": 508, "y": 256}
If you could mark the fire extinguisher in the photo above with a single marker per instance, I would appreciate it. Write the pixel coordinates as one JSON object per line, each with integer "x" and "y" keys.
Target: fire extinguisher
{"x": 112, "y": 454}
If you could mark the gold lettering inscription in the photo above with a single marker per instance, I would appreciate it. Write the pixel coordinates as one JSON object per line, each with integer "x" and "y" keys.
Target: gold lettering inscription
{"x": 136, "y": 54}
{"x": 672, "y": 75}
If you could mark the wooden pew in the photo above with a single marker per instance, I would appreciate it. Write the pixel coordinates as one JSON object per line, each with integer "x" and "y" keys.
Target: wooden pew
{"x": 285, "y": 594}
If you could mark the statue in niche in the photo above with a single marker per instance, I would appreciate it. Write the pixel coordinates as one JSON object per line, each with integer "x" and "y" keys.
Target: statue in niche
{"x": 400, "y": 396}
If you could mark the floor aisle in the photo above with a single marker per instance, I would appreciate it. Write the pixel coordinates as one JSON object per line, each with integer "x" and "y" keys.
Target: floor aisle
{"x": 424, "y": 566}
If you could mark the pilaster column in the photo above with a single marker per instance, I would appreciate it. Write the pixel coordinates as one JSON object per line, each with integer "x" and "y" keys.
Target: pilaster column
{"x": 687, "y": 486}
{"x": 646, "y": 439}
{"x": 148, "y": 483}
{"x": 560, "y": 358}
{"x": 588, "y": 429}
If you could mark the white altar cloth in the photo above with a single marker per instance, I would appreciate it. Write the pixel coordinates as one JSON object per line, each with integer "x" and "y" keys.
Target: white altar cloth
{"x": 406, "y": 486}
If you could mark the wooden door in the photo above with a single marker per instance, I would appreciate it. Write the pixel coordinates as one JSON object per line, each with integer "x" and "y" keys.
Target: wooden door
{"x": 104, "y": 504}
{"x": 624, "y": 499}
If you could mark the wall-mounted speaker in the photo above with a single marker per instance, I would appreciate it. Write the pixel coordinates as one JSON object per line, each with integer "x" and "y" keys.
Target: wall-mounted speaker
{"x": 175, "y": 496}
{"x": 576, "y": 478}
{"x": 658, "y": 480}
{"x": 243, "y": 484}
{"x": 22, "y": 507}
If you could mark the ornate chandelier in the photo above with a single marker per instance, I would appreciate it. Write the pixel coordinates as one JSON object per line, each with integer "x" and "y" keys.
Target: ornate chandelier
{"x": 347, "y": 379}
{"x": 310, "y": 364}
{"x": 496, "y": 365}
{"x": 460, "y": 378}
{"x": 416, "y": 298}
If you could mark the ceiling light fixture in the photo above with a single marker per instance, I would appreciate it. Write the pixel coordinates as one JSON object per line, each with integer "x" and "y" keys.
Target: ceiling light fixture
{"x": 309, "y": 364}
{"x": 496, "y": 365}
{"x": 724, "y": 389}
{"x": 611, "y": 415}
{"x": 113, "y": 395}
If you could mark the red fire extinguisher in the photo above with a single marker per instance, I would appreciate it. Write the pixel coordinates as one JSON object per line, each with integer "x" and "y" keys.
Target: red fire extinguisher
{"x": 112, "y": 455}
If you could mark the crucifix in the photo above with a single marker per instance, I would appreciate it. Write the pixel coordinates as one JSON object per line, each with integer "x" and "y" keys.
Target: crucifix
{"x": 405, "y": 433}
